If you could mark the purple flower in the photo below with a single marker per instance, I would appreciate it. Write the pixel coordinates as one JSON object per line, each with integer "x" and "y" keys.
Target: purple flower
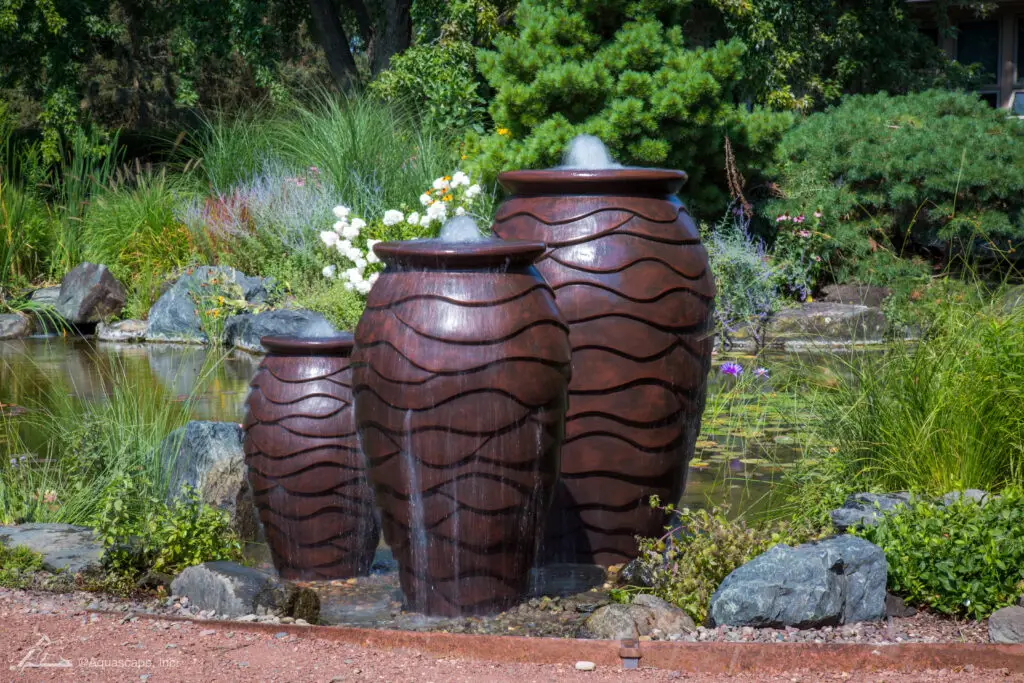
{"x": 730, "y": 368}
{"x": 800, "y": 219}
{"x": 803, "y": 233}
{"x": 761, "y": 372}
{"x": 782, "y": 218}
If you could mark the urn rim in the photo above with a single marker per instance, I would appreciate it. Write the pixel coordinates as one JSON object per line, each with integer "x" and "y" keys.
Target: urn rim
{"x": 340, "y": 344}
{"x": 434, "y": 254}
{"x": 648, "y": 182}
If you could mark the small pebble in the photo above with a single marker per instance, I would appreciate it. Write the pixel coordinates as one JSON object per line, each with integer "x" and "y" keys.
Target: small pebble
{"x": 301, "y": 622}
{"x": 207, "y": 632}
{"x": 247, "y": 617}
{"x": 585, "y": 666}
{"x": 281, "y": 634}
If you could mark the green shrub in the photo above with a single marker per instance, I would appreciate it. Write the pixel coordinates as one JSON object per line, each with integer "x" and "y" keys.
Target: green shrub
{"x": 340, "y": 306}
{"x": 897, "y": 175}
{"x": 699, "y": 549}
{"x": 18, "y": 565}
{"x": 142, "y": 534}
{"x": 961, "y": 559}
{"x": 439, "y": 82}
{"x": 943, "y": 414}
{"x": 622, "y": 71}
{"x": 26, "y": 238}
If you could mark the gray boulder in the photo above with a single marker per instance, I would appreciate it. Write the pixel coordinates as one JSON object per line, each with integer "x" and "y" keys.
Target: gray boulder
{"x": 90, "y": 294}
{"x": 63, "y": 546}
{"x": 121, "y": 331}
{"x": 976, "y": 495}
{"x": 232, "y": 590}
{"x": 245, "y": 331}
{"x": 564, "y": 579}
{"x": 1007, "y": 626}
{"x": 826, "y": 324}
{"x": 208, "y": 457}
{"x": 174, "y": 317}
{"x": 637, "y": 573}
{"x": 863, "y": 295}
{"x": 837, "y": 581}
{"x": 15, "y": 326}
{"x": 866, "y": 509}
{"x": 647, "y": 615}
{"x": 45, "y": 296}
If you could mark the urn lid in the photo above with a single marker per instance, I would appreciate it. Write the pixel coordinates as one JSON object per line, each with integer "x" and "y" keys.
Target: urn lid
{"x": 283, "y": 345}
{"x": 438, "y": 254}
{"x": 646, "y": 182}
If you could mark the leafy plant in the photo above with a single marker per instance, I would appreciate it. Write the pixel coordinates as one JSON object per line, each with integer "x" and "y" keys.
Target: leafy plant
{"x": 699, "y": 549}
{"x": 215, "y": 301}
{"x": 18, "y": 564}
{"x": 801, "y": 253}
{"x": 932, "y": 174}
{"x": 622, "y": 71}
{"x": 961, "y": 559}
{"x": 340, "y": 305}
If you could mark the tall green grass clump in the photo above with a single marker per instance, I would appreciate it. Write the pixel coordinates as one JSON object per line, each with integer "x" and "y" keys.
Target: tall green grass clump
{"x": 943, "y": 414}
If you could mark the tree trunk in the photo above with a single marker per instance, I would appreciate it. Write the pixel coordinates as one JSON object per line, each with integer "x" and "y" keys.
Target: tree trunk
{"x": 335, "y": 43}
{"x": 396, "y": 34}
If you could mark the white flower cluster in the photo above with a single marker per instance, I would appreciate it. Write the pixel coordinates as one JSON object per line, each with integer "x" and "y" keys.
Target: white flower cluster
{"x": 344, "y": 237}
{"x": 448, "y": 196}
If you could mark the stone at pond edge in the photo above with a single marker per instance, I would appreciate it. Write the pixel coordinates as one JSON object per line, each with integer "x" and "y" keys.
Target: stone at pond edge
{"x": 866, "y": 509}
{"x": 63, "y": 546}
{"x": 15, "y": 326}
{"x": 208, "y": 456}
{"x": 245, "y": 331}
{"x": 90, "y": 294}
{"x": 45, "y": 296}
{"x": 837, "y": 581}
{"x": 863, "y": 295}
{"x": 826, "y": 323}
{"x": 1007, "y": 626}
{"x": 122, "y": 331}
{"x": 645, "y": 615}
{"x": 173, "y": 317}
{"x": 232, "y": 590}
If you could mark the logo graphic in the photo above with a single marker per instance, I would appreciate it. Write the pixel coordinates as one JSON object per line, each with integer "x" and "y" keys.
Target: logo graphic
{"x": 36, "y": 658}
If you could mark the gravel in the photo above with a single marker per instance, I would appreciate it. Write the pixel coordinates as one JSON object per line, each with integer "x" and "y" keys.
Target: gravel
{"x": 100, "y": 648}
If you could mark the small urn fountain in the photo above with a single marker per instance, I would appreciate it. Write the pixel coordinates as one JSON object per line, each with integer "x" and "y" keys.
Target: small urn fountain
{"x": 632, "y": 280}
{"x": 306, "y": 471}
{"x": 460, "y": 381}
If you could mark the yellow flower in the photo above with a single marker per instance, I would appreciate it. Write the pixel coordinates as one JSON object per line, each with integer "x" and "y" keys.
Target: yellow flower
{"x": 447, "y": 177}
{"x": 464, "y": 157}
{"x": 447, "y": 197}
{"x": 503, "y": 131}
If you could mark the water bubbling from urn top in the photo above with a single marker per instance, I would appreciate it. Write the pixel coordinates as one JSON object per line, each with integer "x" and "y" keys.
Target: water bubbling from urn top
{"x": 588, "y": 153}
{"x": 462, "y": 229}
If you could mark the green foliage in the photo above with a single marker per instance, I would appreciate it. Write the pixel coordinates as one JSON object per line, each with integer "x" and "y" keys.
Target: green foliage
{"x": 142, "y": 534}
{"x": 964, "y": 559}
{"x": 943, "y": 414}
{"x": 699, "y": 549}
{"x": 896, "y": 174}
{"x": 340, "y": 306}
{"x": 26, "y": 237}
{"x": 18, "y": 565}
{"x": 810, "y": 52}
{"x": 623, "y": 72}
{"x": 438, "y": 82}
{"x": 215, "y": 301}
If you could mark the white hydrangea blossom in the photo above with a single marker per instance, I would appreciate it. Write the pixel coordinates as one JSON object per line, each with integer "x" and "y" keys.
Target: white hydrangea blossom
{"x": 350, "y": 232}
{"x": 329, "y": 237}
{"x": 460, "y": 211}
{"x": 363, "y": 287}
{"x": 459, "y": 178}
{"x": 392, "y": 217}
{"x": 413, "y": 218}
{"x": 426, "y": 199}
{"x": 341, "y": 212}
{"x": 329, "y": 271}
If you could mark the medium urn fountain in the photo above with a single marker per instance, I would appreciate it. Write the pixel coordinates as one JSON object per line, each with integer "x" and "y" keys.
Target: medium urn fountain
{"x": 632, "y": 280}
{"x": 306, "y": 471}
{"x": 460, "y": 380}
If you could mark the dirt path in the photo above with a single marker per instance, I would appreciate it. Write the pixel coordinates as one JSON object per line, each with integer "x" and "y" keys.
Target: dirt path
{"x": 54, "y": 630}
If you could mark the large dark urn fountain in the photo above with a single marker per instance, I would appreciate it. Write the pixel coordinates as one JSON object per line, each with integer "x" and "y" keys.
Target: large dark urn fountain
{"x": 306, "y": 471}
{"x": 632, "y": 280}
{"x": 460, "y": 380}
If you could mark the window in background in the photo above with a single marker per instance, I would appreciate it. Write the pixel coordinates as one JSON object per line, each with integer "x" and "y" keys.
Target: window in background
{"x": 1017, "y": 105}
{"x": 978, "y": 42}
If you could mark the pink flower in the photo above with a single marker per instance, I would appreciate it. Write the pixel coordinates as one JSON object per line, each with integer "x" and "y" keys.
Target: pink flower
{"x": 800, "y": 219}
{"x": 783, "y": 217}
{"x": 314, "y": 170}
{"x": 817, "y": 258}
{"x": 804, "y": 233}
{"x": 817, "y": 214}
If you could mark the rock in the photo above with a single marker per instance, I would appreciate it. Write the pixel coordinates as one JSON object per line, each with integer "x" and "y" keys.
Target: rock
{"x": 45, "y": 296}
{"x": 208, "y": 457}
{"x": 153, "y": 580}
{"x": 584, "y": 665}
{"x": 1013, "y": 298}
{"x": 827, "y": 324}
{"x": 122, "y": 331}
{"x": 636, "y": 573}
{"x": 245, "y": 331}
{"x": 90, "y": 294}
{"x": 174, "y": 317}
{"x": 63, "y": 546}
{"x": 897, "y": 608}
{"x": 861, "y": 295}
{"x": 866, "y": 509}
{"x": 668, "y": 618}
{"x": 975, "y": 495}
{"x": 15, "y": 326}
{"x": 1006, "y": 626}
{"x": 232, "y": 590}
{"x": 645, "y": 615}
{"x": 563, "y": 579}
{"x": 840, "y": 580}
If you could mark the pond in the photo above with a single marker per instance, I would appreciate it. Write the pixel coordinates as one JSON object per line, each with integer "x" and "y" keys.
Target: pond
{"x": 752, "y": 429}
